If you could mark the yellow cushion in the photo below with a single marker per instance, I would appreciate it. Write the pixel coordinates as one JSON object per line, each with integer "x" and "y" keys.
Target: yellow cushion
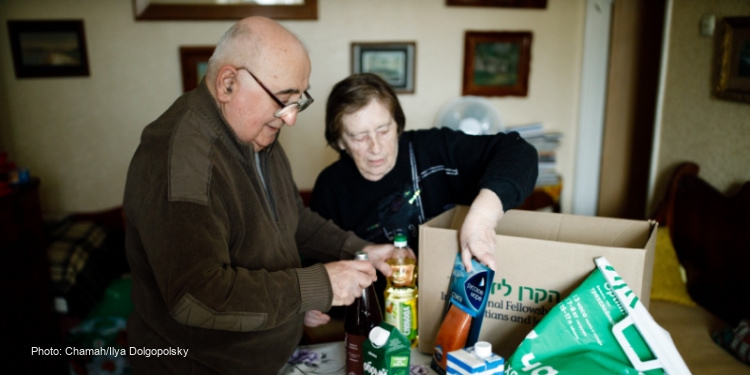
{"x": 668, "y": 283}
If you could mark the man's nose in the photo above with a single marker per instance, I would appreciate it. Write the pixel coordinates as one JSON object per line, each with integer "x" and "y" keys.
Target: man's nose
{"x": 290, "y": 118}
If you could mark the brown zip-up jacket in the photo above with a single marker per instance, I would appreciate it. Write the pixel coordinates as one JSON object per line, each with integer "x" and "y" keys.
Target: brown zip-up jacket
{"x": 215, "y": 257}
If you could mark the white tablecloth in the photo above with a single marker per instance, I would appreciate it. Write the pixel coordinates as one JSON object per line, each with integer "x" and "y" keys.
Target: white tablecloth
{"x": 328, "y": 358}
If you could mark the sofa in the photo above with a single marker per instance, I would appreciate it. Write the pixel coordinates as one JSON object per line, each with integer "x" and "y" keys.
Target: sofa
{"x": 700, "y": 291}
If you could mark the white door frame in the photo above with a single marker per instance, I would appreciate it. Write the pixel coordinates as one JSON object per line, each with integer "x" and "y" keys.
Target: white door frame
{"x": 659, "y": 104}
{"x": 593, "y": 103}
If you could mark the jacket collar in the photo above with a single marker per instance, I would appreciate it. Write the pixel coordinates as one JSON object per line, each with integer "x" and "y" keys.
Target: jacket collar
{"x": 204, "y": 105}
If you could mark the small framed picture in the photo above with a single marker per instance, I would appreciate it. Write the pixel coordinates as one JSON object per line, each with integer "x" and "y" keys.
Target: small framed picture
{"x": 48, "y": 48}
{"x": 540, "y": 4}
{"x": 496, "y": 63}
{"x": 194, "y": 62}
{"x": 393, "y": 61}
{"x": 148, "y": 10}
{"x": 733, "y": 71}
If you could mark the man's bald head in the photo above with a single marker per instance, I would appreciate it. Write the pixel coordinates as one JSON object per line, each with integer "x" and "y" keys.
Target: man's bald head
{"x": 258, "y": 68}
{"x": 255, "y": 42}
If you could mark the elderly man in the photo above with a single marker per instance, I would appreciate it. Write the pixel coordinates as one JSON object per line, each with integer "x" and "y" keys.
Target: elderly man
{"x": 216, "y": 225}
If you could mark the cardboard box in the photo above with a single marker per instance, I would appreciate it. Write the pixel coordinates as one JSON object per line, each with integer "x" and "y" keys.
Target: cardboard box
{"x": 541, "y": 259}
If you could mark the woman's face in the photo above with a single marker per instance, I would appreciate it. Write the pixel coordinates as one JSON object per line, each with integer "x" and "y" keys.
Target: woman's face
{"x": 370, "y": 137}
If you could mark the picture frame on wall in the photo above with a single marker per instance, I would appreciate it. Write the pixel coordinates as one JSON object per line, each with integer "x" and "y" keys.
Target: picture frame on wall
{"x": 150, "y": 10}
{"x": 733, "y": 70}
{"x": 42, "y": 48}
{"x": 497, "y": 63}
{"x": 392, "y": 61}
{"x": 539, "y": 4}
{"x": 193, "y": 64}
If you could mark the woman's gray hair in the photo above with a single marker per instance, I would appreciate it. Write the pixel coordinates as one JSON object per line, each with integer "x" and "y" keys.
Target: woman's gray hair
{"x": 352, "y": 94}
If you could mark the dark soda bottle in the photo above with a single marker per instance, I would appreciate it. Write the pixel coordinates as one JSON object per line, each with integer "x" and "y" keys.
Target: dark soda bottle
{"x": 361, "y": 316}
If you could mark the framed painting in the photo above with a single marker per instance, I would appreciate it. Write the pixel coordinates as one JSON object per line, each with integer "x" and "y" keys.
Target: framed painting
{"x": 496, "y": 63}
{"x": 150, "y": 10}
{"x": 540, "y": 4}
{"x": 733, "y": 71}
{"x": 193, "y": 62}
{"x": 392, "y": 61}
{"x": 48, "y": 48}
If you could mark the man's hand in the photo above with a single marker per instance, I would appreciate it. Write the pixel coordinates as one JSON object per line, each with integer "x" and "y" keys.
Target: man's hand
{"x": 378, "y": 254}
{"x": 314, "y": 318}
{"x": 478, "y": 230}
{"x": 348, "y": 278}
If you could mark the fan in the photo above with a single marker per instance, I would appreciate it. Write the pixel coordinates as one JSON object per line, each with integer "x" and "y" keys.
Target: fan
{"x": 470, "y": 114}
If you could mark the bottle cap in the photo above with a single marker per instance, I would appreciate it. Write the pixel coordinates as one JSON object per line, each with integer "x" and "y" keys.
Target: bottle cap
{"x": 483, "y": 349}
{"x": 378, "y": 336}
{"x": 399, "y": 240}
{"x": 360, "y": 255}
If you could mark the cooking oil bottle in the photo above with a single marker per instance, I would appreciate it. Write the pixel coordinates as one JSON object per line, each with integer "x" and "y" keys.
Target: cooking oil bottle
{"x": 401, "y": 291}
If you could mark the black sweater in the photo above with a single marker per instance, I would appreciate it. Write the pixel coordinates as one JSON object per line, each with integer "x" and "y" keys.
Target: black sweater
{"x": 435, "y": 170}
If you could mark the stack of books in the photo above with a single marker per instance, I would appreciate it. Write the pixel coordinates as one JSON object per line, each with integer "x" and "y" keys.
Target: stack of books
{"x": 546, "y": 144}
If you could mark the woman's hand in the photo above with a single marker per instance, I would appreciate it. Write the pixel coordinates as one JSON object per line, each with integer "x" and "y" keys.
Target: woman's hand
{"x": 477, "y": 235}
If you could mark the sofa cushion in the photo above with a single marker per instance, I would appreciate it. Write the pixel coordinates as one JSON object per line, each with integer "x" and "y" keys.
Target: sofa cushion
{"x": 711, "y": 234}
{"x": 690, "y": 329}
{"x": 668, "y": 283}
{"x": 84, "y": 258}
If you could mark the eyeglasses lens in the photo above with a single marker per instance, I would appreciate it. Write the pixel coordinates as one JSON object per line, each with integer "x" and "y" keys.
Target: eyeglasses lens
{"x": 295, "y": 107}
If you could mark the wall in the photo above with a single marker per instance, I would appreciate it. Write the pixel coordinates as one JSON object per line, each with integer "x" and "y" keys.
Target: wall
{"x": 634, "y": 63}
{"x": 78, "y": 134}
{"x": 696, "y": 126}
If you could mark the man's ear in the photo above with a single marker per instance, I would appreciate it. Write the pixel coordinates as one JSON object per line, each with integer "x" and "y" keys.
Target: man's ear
{"x": 226, "y": 82}
{"x": 340, "y": 142}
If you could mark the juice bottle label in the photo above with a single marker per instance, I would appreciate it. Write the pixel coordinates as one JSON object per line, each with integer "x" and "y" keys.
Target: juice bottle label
{"x": 403, "y": 274}
{"x": 401, "y": 311}
{"x": 354, "y": 358}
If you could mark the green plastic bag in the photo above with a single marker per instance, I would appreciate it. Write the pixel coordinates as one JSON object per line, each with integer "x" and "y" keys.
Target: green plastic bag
{"x": 116, "y": 300}
{"x": 600, "y": 328}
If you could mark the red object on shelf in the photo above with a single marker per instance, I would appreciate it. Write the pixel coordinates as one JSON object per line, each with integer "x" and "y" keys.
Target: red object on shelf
{"x": 4, "y": 188}
{"x": 6, "y": 167}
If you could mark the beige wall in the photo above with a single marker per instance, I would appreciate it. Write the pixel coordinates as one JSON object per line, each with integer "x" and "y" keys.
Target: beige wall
{"x": 78, "y": 134}
{"x": 695, "y": 125}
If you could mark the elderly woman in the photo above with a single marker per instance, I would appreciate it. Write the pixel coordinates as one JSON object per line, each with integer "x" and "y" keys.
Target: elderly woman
{"x": 389, "y": 179}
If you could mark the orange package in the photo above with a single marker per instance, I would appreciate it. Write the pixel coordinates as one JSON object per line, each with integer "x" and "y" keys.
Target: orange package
{"x": 468, "y": 292}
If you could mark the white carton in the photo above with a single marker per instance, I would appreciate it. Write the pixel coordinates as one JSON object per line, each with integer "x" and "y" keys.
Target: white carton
{"x": 476, "y": 360}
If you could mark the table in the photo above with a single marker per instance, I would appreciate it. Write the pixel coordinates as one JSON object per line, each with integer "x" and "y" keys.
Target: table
{"x": 328, "y": 358}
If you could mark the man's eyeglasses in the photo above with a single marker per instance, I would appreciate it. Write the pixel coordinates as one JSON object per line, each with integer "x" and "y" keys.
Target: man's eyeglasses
{"x": 285, "y": 108}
